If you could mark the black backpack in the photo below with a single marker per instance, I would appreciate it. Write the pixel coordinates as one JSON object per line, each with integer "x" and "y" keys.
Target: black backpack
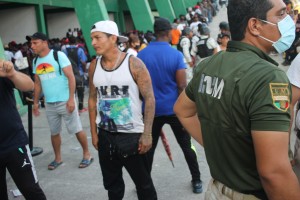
{"x": 72, "y": 54}
{"x": 78, "y": 78}
{"x": 203, "y": 51}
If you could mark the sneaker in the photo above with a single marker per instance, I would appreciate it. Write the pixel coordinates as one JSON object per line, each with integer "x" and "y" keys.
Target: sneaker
{"x": 197, "y": 186}
{"x": 83, "y": 110}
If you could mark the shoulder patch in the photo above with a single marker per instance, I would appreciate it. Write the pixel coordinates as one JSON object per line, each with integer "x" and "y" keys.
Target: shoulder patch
{"x": 280, "y": 95}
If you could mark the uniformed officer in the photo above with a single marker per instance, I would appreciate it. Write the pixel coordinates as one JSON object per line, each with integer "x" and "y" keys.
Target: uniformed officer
{"x": 237, "y": 106}
{"x": 185, "y": 46}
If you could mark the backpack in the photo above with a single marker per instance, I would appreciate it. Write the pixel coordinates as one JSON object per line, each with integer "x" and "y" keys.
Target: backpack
{"x": 203, "y": 51}
{"x": 78, "y": 78}
{"x": 72, "y": 54}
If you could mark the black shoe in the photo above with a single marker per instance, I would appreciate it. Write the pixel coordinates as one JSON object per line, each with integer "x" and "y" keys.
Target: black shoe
{"x": 286, "y": 63}
{"x": 197, "y": 186}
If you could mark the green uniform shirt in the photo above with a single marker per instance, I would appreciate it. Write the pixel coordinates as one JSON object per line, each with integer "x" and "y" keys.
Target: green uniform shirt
{"x": 235, "y": 92}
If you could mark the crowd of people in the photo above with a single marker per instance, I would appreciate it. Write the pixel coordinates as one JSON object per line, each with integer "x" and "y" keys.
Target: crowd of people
{"x": 226, "y": 93}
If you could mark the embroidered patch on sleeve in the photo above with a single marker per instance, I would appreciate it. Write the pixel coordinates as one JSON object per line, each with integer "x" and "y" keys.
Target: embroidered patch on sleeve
{"x": 280, "y": 95}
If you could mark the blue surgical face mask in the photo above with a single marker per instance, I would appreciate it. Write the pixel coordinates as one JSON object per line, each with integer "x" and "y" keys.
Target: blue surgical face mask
{"x": 287, "y": 30}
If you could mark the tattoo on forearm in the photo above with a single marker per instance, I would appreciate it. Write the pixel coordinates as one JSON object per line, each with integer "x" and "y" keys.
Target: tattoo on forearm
{"x": 144, "y": 83}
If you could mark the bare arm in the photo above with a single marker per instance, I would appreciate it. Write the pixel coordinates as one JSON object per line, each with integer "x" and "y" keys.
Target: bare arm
{"x": 68, "y": 71}
{"x": 20, "y": 80}
{"x": 186, "y": 111}
{"x": 215, "y": 50}
{"x": 274, "y": 168}
{"x": 92, "y": 105}
{"x": 143, "y": 80}
{"x": 181, "y": 80}
{"x": 37, "y": 93}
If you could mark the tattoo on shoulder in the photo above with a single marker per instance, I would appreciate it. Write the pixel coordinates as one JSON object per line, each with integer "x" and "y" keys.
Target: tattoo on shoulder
{"x": 136, "y": 66}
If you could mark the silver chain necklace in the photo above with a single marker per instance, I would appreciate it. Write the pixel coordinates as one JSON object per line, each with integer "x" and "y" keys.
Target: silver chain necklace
{"x": 111, "y": 71}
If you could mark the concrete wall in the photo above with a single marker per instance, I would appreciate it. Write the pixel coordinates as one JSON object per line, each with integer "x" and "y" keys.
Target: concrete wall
{"x": 16, "y": 23}
{"x": 59, "y": 23}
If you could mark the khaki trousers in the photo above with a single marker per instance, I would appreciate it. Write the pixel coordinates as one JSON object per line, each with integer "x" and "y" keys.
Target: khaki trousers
{"x": 218, "y": 191}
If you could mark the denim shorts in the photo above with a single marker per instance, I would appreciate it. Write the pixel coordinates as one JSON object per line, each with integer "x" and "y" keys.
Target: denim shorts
{"x": 57, "y": 111}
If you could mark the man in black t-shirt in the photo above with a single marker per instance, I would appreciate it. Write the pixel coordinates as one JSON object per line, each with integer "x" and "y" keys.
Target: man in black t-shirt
{"x": 14, "y": 151}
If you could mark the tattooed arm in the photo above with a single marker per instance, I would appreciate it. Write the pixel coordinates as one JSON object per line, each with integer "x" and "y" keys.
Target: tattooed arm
{"x": 143, "y": 80}
{"x": 92, "y": 105}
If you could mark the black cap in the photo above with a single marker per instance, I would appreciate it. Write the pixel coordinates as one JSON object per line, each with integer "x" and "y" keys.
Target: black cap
{"x": 224, "y": 26}
{"x": 162, "y": 24}
{"x": 205, "y": 30}
{"x": 225, "y": 34}
{"x": 186, "y": 31}
{"x": 37, "y": 35}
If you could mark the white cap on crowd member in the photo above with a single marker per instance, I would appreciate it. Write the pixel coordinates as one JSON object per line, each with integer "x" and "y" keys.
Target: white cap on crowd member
{"x": 109, "y": 27}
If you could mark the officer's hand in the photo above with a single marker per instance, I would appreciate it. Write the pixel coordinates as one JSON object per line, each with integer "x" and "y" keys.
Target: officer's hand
{"x": 191, "y": 64}
{"x": 6, "y": 69}
{"x": 145, "y": 143}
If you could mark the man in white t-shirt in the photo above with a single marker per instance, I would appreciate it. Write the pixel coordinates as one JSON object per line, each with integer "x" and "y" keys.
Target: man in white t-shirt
{"x": 293, "y": 74}
{"x": 7, "y": 53}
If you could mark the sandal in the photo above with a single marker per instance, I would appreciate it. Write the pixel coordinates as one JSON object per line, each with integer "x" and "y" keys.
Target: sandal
{"x": 86, "y": 162}
{"x": 53, "y": 165}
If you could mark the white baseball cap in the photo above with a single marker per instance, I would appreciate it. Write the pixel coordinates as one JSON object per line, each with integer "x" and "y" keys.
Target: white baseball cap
{"x": 109, "y": 27}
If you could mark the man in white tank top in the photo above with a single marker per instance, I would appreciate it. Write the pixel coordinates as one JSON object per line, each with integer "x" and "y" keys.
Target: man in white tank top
{"x": 120, "y": 133}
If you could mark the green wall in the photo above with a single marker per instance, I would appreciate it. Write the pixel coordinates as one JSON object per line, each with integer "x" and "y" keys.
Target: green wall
{"x": 90, "y": 11}
{"x": 141, "y": 14}
{"x": 1, "y": 50}
{"x": 87, "y": 15}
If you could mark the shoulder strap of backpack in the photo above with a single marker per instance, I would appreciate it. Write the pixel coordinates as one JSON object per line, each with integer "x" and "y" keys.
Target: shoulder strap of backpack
{"x": 55, "y": 55}
{"x": 35, "y": 59}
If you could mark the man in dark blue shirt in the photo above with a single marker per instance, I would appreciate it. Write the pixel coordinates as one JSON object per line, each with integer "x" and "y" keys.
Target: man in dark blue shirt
{"x": 14, "y": 151}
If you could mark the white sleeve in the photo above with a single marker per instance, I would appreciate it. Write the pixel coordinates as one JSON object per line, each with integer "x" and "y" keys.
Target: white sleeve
{"x": 18, "y": 55}
{"x": 185, "y": 44}
{"x": 293, "y": 72}
{"x": 130, "y": 51}
{"x": 211, "y": 43}
{"x": 194, "y": 49}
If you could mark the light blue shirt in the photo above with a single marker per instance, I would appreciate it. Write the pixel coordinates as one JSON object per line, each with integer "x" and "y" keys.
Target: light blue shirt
{"x": 55, "y": 86}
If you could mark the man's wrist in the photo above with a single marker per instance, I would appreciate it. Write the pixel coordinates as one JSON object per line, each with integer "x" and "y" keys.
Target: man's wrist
{"x": 12, "y": 75}
{"x": 147, "y": 134}
{"x": 71, "y": 98}
{"x": 35, "y": 104}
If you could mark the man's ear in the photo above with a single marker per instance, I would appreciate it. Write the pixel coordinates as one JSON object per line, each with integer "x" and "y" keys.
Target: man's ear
{"x": 114, "y": 39}
{"x": 254, "y": 26}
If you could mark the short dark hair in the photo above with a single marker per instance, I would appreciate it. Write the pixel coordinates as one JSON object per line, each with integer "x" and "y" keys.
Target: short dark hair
{"x": 160, "y": 34}
{"x": 108, "y": 35}
{"x": 240, "y": 11}
{"x": 72, "y": 40}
